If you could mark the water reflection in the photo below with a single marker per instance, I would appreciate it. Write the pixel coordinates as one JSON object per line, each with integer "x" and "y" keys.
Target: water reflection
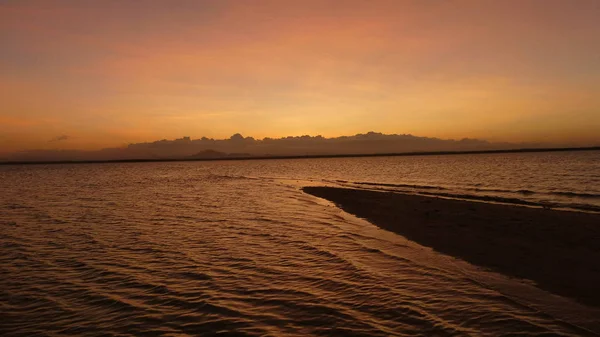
{"x": 190, "y": 248}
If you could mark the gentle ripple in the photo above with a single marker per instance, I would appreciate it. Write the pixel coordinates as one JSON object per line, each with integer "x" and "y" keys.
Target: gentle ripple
{"x": 179, "y": 249}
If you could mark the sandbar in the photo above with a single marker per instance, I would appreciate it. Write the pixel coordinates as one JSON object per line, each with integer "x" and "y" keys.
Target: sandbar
{"x": 558, "y": 250}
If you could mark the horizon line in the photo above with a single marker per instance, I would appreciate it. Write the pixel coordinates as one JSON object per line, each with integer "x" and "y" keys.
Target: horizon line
{"x": 323, "y": 156}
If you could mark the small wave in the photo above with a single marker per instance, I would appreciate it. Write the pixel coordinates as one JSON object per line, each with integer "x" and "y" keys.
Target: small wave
{"x": 13, "y": 206}
{"x": 577, "y": 195}
{"x": 220, "y": 177}
{"x": 500, "y": 190}
{"x": 425, "y": 187}
{"x": 530, "y": 192}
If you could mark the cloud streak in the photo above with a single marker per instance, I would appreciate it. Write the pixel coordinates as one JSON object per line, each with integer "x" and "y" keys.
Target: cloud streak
{"x": 59, "y": 138}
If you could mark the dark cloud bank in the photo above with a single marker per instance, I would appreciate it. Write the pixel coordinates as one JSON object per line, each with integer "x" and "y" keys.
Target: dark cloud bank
{"x": 239, "y": 146}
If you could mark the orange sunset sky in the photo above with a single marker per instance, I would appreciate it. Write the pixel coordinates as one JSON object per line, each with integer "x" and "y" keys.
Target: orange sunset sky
{"x": 106, "y": 73}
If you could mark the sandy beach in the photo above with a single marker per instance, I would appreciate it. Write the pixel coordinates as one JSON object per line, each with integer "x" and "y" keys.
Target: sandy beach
{"x": 558, "y": 250}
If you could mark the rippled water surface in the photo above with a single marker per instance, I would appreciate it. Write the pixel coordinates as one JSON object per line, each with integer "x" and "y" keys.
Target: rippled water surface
{"x": 202, "y": 248}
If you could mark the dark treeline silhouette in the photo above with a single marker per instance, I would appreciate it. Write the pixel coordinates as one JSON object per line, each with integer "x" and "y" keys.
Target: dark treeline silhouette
{"x": 238, "y": 146}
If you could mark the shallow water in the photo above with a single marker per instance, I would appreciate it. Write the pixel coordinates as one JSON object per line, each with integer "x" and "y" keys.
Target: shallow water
{"x": 555, "y": 179}
{"x": 203, "y": 248}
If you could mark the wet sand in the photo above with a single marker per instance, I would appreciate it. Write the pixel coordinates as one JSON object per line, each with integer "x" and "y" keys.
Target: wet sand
{"x": 558, "y": 250}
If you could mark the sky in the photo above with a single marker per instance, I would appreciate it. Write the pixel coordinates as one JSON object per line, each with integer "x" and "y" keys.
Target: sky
{"x": 86, "y": 74}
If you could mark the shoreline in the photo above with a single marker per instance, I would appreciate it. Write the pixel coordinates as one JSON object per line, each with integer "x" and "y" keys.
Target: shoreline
{"x": 556, "y": 249}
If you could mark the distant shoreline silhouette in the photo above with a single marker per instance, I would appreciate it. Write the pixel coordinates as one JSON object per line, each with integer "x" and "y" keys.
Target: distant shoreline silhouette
{"x": 244, "y": 156}
{"x": 236, "y": 146}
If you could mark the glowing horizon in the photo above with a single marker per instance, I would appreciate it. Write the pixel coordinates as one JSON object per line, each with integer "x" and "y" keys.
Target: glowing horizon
{"x": 107, "y": 73}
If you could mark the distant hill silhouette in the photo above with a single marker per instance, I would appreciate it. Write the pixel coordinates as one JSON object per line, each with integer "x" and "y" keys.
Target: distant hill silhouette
{"x": 216, "y": 154}
{"x": 240, "y": 146}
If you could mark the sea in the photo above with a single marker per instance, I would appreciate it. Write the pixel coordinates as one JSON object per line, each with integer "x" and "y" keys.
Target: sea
{"x": 235, "y": 248}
